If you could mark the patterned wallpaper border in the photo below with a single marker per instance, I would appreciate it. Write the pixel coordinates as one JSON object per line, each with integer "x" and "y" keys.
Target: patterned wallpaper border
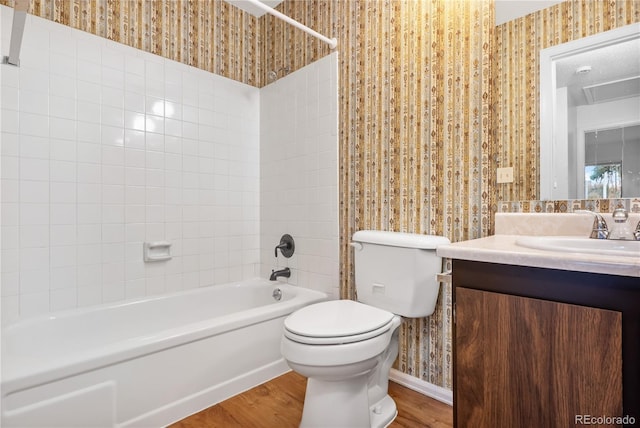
{"x": 631, "y": 205}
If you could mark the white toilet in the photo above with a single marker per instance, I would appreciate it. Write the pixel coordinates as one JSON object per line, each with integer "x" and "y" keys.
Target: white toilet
{"x": 346, "y": 348}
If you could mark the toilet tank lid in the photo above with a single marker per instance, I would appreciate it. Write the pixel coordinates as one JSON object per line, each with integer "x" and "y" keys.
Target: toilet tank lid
{"x": 399, "y": 239}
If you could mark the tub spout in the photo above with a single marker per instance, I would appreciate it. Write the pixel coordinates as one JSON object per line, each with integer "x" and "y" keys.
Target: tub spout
{"x": 286, "y": 273}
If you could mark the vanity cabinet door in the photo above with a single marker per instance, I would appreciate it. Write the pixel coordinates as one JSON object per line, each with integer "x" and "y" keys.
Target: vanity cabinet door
{"x": 524, "y": 362}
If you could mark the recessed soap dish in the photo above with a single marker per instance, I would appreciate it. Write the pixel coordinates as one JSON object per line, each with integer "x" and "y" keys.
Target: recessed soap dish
{"x": 156, "y": 251}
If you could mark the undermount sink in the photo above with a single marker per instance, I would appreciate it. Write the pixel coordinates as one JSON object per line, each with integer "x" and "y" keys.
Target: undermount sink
{"x": 581, "y": 245}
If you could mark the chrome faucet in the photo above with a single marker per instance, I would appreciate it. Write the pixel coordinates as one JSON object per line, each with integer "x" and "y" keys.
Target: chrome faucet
{"x": 621, "y": 228}
{"x": 599, "y": 229}
{"x": 286, "y": 273}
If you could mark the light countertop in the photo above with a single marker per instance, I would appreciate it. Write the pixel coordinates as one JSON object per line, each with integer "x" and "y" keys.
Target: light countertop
{"x": 502, "y": 248}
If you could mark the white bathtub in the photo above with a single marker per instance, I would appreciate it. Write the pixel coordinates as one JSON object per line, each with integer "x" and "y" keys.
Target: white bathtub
{"x": 147, "y": 362}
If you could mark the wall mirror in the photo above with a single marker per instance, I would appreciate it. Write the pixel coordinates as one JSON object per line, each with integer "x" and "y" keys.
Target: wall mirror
{"x": 590, "y": 117}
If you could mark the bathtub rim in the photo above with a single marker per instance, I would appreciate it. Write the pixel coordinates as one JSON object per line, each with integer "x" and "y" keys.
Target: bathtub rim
{"x": 143, "y": 299}
{"x": 20, "y": 373}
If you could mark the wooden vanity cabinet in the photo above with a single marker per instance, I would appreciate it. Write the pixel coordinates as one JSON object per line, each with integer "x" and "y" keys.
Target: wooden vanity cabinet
{"x": 538, "y": 347}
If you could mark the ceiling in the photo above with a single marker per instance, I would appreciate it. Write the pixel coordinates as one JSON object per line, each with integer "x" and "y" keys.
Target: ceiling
{"x": 252, "y": 9}
{"x": 507, "y": 10}
{"x": 613, "y": 69}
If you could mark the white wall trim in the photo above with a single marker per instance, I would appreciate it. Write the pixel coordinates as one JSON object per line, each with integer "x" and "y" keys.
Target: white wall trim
{"x": 423, "y": 387}
{"x": 508, "y": 10}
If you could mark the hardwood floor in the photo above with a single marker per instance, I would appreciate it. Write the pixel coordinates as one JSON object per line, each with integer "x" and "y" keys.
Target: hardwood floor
{"x": 278, "y": 404}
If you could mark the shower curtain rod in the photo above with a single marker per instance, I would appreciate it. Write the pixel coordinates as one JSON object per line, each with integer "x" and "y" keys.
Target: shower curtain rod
{"x": 20, "y": 8}
{"x": 331, "y": 42}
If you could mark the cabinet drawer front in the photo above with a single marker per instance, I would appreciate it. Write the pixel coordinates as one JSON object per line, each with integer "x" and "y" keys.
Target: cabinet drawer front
{"x": 524, "y": 362}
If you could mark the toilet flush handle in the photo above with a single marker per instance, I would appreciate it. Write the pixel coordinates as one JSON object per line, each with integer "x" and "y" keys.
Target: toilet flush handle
{"x": 356, "y": 245}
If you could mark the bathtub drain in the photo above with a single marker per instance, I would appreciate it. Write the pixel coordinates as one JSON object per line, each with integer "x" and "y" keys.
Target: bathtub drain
{"x": 277, "y": 294}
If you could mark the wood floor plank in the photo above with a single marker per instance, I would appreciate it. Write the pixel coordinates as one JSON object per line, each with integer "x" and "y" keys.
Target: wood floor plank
{"x": 278, "y": 404}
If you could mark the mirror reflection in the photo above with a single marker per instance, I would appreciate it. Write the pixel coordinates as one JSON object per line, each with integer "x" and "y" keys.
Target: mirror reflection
{"x": 590, "y": 117}
{"x": 611, "y": 161}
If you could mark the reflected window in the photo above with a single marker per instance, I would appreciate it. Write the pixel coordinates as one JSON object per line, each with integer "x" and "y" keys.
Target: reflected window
{"x": 603, "y": 181}
{"x": 612, "y": 162}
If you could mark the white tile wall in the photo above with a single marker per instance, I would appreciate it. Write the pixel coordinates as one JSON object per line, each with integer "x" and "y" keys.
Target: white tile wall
{"x": 104, "y": 147}
{"x": 299, "y": 174}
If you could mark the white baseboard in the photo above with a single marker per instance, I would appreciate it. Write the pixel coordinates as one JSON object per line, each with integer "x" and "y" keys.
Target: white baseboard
{"x": 423, "y": 387}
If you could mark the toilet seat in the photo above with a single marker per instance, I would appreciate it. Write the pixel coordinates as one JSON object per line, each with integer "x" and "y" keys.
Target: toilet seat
{"x": 337, "y": 322}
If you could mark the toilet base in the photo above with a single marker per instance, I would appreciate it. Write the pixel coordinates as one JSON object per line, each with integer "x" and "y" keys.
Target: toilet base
{"x": 383, "y": 412}
{"x": 345, "y": 404}
{"x": 336, "y": 403}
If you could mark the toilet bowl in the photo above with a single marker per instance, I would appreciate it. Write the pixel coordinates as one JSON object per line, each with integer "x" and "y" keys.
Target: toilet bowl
{"x": 337, "y": 345}
{"x": 346, "y": 348}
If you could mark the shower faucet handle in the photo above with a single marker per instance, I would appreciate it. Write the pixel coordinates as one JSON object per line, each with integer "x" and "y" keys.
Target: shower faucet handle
{"x": 281, "y": 247}
{"x": 287, "y": 246}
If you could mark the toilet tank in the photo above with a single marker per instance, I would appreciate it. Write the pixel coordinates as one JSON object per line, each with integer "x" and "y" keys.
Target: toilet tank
{"x": 397, "y": 271}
